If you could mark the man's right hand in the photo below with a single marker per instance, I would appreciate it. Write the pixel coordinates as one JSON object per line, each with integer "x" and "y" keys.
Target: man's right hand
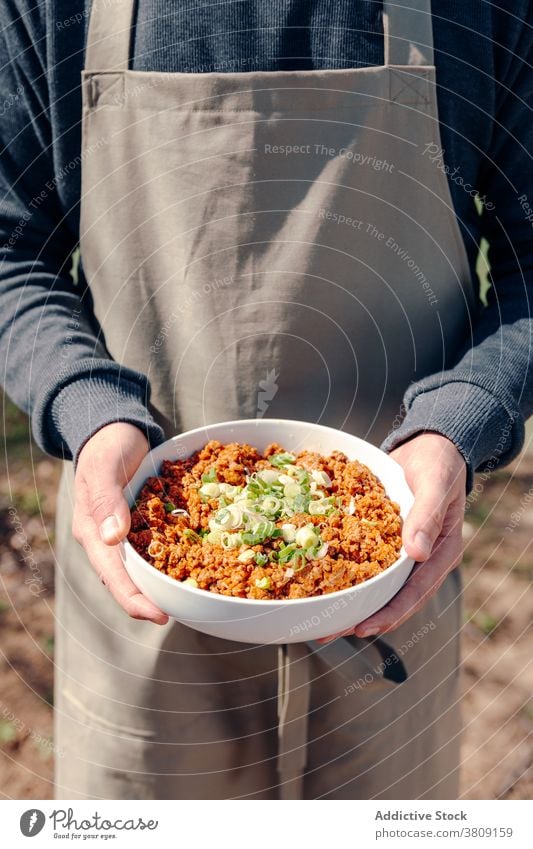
{"x": 101, "y": 515}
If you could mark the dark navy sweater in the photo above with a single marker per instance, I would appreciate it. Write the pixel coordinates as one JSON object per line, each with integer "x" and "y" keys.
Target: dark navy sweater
{"x": 52, "y": 364}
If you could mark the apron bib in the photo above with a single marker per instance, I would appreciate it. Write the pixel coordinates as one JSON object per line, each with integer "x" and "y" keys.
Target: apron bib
{"x": 261, "y": 244}
{"x": 272, "y": 243}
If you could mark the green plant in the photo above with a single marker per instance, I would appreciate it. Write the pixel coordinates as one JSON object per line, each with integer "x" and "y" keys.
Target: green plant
{"x": 29, "y": 503}
{"x": 484, "y": 621}
{"x": 8, "y": 732}
{"x": 48, "y": 644}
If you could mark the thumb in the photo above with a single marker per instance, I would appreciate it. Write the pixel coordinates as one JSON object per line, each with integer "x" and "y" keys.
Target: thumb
{"x": 425, "y": 520}
{"x": 108, "y": 507}
{"x": 106, "y": 463}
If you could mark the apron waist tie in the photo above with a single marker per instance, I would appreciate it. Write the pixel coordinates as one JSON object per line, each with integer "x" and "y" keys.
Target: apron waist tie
{"x": 293, "y": 708}
{"x": 346, "y": 657}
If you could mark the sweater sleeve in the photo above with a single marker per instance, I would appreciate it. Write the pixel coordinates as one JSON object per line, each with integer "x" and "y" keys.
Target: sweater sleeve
{"x": 54, "y": 364}
{"x": 482, "y": 402}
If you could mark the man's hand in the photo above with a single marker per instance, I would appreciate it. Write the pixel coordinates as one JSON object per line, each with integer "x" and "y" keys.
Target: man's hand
{"x": 432, "y": 533}
{"x": 101, "y": 515}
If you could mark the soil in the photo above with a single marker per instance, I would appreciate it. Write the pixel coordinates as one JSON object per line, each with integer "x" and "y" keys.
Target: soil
{"x": 498, "y": 670}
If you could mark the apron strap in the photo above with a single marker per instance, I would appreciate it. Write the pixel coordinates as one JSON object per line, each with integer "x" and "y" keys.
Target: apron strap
{"x": 347, "y": 659}
{"x": 109, "y": 35}
{"x": 408, "y": 32}
{"x": 294, "y": 687}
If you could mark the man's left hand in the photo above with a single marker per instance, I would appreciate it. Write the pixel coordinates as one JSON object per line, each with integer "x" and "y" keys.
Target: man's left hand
{"x": 432, "y": 532}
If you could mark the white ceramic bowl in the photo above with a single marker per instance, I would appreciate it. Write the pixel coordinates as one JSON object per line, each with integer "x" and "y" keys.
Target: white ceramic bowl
{"x": 287, "y": 620}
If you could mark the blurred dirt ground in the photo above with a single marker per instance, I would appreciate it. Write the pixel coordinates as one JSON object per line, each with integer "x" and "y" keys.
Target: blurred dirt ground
{"x": 498, "y": 666}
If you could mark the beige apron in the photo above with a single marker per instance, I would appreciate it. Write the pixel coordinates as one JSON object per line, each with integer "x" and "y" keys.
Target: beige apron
{"x": 262, "y": 244}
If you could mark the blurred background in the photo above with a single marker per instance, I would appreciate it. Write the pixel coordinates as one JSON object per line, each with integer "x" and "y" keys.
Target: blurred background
{"x": 498, "y": 611}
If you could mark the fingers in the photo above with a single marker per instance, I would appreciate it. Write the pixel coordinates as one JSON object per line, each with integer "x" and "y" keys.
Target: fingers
{"x": 105, "y": 500}
{"x": 108, "y": 565}
{"x": 101, "y": 514}
{"x": 105, "y": 465}
{"x": 324, "y": 640}
{"x": 110, "y": 511}
{"x": 425, "y": 579}
{"x": 425, "y": 520}
{"x": 436, "y": 473}
{"x": 122, "y": 588}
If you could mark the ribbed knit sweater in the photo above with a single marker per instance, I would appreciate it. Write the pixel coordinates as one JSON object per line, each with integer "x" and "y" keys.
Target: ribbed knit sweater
{"x": 52, "y": 363}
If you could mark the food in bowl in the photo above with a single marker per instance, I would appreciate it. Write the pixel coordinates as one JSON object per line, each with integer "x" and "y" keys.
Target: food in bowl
{"x": 273, "y": 525}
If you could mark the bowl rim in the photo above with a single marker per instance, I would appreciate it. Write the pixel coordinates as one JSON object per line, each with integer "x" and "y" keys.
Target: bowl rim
{"x": 125, "y": 547}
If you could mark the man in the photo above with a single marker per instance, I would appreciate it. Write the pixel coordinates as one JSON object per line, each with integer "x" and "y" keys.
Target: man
{"x": 266, "y": 194}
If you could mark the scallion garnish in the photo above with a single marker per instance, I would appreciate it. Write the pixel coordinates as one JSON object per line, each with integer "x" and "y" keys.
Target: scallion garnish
{"x": 282, "y": 459}
{"x": 210, "y": 476}
{"x": 191, "y": 535}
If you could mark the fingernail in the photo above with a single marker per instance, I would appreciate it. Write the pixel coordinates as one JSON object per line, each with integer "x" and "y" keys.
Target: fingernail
{"x": 423, "y": 543}
{"x": 147, "y": 609}
{"x": 109, "y": 528}
{"x": 368, "y": 632}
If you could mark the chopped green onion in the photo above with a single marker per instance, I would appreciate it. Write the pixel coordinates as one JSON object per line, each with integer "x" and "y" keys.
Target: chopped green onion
{"x": 307, "y": 537}
{"x": 260, "y": 558}
{"x": 299, "y": 560}
{"x": 288, "y": 532}
{"x": 214, "y": 537}
{"x": 321, "y": 478}
{"x": 169, "y": 507}
{"x": 271, "y": 505}
{"x": 222, "y": 516}
{"x": 301, "y": 503}
{"x": 236, "y": 513}
{"x": 321, "y": 507}
{"x": 210, "y": 490}
{"x": 281, "y": 459}
{"x": 188, "y": 533}
{"x": 246, "y": 556}
{"x": 229, "y": 541}
{"x": 261, "y": 532}
{"x": 269, "y": 476}
{"x": 210, "y": 476}
{"x": 285, "y": 553}
{"x": 291, "y": 490}
{"x": 263, "y": 583}
{"x": 302, "y": 475}
{"x": 229, "y": 490}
